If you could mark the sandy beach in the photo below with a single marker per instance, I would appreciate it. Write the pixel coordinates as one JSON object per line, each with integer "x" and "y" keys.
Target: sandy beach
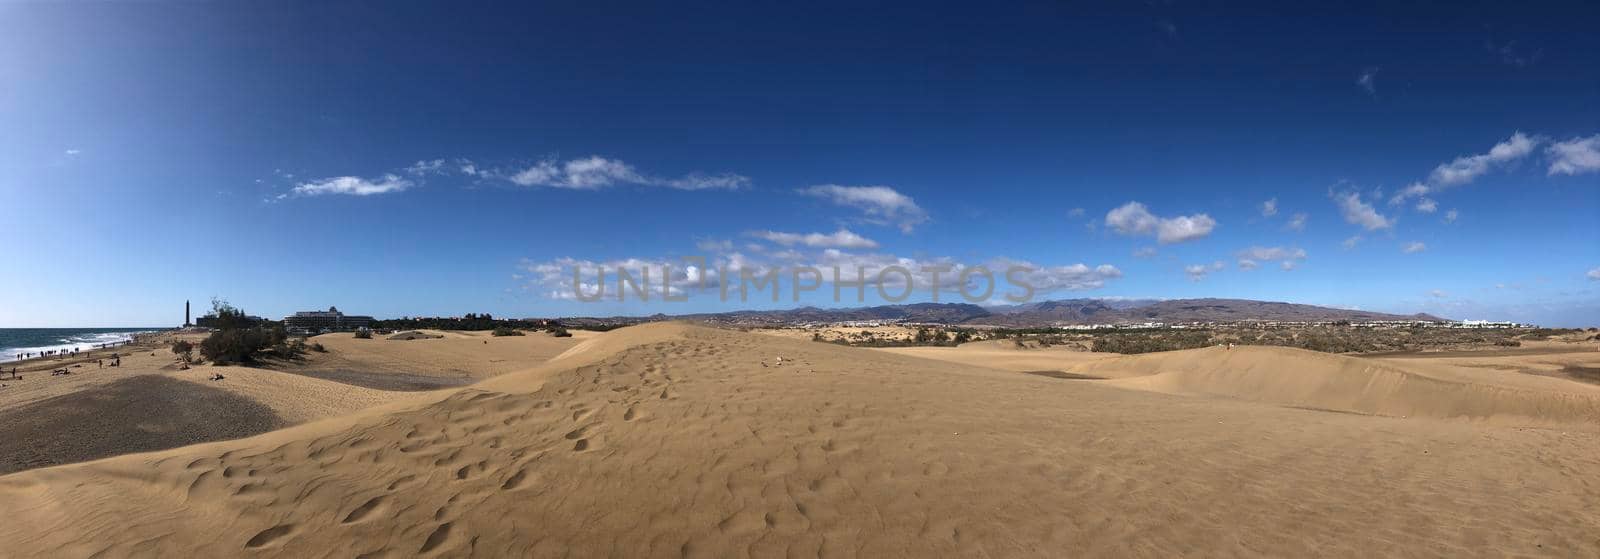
{"x": 674, "y": 440}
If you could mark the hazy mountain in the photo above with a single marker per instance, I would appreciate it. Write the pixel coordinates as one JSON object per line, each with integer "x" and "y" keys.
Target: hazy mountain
{"x": 1044, "y": 313}
{"x": 1096, "y": 311}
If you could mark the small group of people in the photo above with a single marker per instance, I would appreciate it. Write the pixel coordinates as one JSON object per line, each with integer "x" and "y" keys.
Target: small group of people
{"x": 47, "y": 353}
{"x": 62, "y": 353}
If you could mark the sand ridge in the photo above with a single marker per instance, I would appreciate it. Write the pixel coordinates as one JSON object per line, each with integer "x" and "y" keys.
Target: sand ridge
{"x": 1304, "y": 378}
{"x": 672, "y": 441}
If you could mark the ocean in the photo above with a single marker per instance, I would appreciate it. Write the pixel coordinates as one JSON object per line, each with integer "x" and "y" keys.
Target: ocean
{"x": 36, "y": 340}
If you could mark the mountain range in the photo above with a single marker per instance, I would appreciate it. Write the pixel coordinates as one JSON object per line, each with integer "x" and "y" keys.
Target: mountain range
{"x": 1045, "y": 313}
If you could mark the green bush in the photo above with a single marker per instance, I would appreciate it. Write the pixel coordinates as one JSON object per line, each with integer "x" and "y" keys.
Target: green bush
{"x": 1149, "y": 342}
{"x": 363, "y": 334}
{"x": 560, "y": 333}
{"x": 238, "y": 345}
{"x": 507, "y": 331}
{"x": 317, "y": 347}
{"x": 184, "y": 349}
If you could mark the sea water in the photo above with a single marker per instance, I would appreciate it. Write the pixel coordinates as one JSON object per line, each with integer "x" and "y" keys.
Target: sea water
{"x": 39, "y": 340}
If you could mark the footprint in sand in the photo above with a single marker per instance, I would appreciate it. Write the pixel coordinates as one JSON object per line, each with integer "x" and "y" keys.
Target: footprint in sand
{"x": 269, "y": 536}
{"x": 366, "y": 509}
{"x": 439, "y": 537}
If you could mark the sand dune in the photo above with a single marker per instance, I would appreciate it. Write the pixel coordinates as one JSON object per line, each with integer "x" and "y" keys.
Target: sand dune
{"x": 1003, "y": 354}
{"x": 1335, "y": 382}
{"x": 666, "y": 440}
{"x": 450, "y": 359}
{"x": 151, "y": 402}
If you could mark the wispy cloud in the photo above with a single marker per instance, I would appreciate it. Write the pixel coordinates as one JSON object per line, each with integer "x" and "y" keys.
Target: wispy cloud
{"x": 1297, "y": 222}
{"x": 842, "y": 238}
{"x": 1351, "y": 242}
{"x": 1269, "y": 208}
{"x": 1197, "y": 272}
{"x": 426, "y": 167}
{"x": 1360, "y": 213}
{"x": 1133, "y": 218}
{"x": 714, "y": 245}
{"x": 1465, "y": 169}
{"x": 353, "y": 186}
{"x": 1450, "y": 216}
{"x": 1427, "y": 205}
{"x": 881, "y": 204}
{"x": 554, "y": 278}
{"x": 1594, "y": 274}
{"x": 1510, "y": 55}
{"x": 1575, "y": 156}
{"x": 596, "y": 172}
{"x": 1414, "y": 247}
{"x": 1287, "y": 258}
{"x": 1368, "y": 80}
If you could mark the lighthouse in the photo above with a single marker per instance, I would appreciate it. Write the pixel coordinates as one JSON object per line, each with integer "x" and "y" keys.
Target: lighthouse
{"x": 186, "y": 322}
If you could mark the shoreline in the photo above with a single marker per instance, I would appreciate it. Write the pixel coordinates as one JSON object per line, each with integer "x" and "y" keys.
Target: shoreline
{"x": 88, "y": 351}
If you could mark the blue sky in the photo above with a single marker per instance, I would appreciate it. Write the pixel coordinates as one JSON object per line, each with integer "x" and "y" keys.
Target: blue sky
{"x": 424, "y": 159}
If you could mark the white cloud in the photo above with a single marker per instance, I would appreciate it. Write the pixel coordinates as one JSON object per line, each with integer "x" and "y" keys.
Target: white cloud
{"x": 1466, "y": 169}
{"x": 582, "y": 174}
{"x": 1197, "y": 272}
{"x": 1361, "y": 213}
{"x": 74, "y": 152}
{"x": 1269, "y": 208}
{"x": 1438, "y": 294}
{"x": 1510, "y": 55}
{"x": 1427, "y": 205}
{"x": 842, "y": 238}
{"x": 1144, "y": 252}
{"x": 1297, "y": 222}
{"x": 1074, "y": 277}
{"x": 698, "y": 181}
{"x": 353, "y": 186}
{"x": 714, "y": 245}
{"x": 1134, "y": 218}
{"x": 1287, "y": 258}
{"x": 1450, "y": 216}
{"x": 1575, "y": 156}
{"x": 1414, "y": 247}
{"x": 1416, "y": 189}
{"x": 1368, "y": 80}
{"x": 1288, "y": 265}
{"x": 1075, "y": 213}
{"x": 880, "y": 203}
{"x": 595, "y": 172}
{"x": 426, "y": 167}
{"x": 1594, "y": 274}
{"x": 554, "y": 278}
{"x": 1351, "y": 242}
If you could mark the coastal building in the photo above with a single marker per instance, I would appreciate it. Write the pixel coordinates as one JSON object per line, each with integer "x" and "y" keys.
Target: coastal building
{"x": 211, "y": 321}
{"x": 330, "y": 320}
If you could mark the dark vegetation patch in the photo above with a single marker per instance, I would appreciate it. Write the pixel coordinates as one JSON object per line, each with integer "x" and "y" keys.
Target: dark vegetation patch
{"x": 135, "y": 414}
{"x": 1063, "y": 375}
{"x": 1582, "y": 374}
{"x": 402, "y": 382}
